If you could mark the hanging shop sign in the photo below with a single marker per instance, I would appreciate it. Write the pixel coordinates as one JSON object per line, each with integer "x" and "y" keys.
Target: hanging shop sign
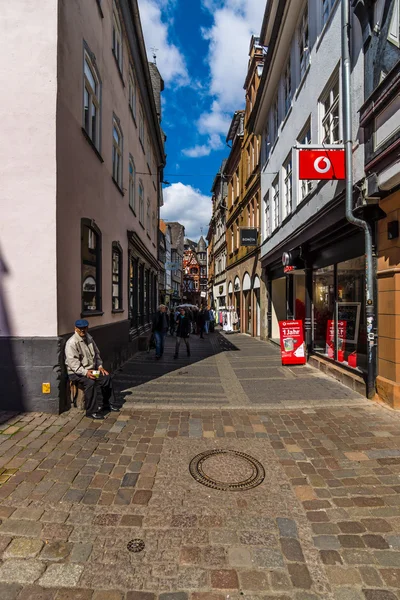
{"x": 248, "y": 237}
{"x": 292, "y": 261}
{"x": 292, "y": 342}
{"x": 322, "y": 164}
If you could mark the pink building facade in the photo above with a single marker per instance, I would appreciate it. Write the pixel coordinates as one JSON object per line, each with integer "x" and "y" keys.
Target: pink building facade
{"x": 81, "y": 174}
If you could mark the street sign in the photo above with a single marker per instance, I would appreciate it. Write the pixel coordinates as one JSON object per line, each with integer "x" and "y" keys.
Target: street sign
{"x": 248, "y": 237}
{"x": 292, "y": 343}
{"x": 322, "y": 164}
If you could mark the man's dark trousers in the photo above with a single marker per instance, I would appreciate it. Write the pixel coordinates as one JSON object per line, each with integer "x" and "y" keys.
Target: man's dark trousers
{"x": 99, "y": 393}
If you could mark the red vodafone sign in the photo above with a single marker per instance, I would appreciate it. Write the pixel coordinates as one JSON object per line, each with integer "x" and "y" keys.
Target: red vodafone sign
{"x": 322, "y": 164}
{"x": 292, "y": 343}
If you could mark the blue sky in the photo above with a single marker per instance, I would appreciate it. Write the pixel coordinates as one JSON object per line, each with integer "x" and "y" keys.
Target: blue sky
{"x": 202, "y": 56}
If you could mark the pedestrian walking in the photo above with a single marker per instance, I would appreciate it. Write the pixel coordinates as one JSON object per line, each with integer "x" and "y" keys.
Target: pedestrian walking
{"x": 172, "y": 320}
{"x": 201, "y": 322}
{"x": 207, "y": 319}
{"x": 212, "y": 320}
{"x": 182, "y": 332}
{"x": 85, "y": 368}
{"x": 160, "y": 329}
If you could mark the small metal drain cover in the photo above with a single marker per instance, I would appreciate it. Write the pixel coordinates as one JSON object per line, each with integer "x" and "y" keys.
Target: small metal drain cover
{"x": 136, "y": 545}
{"x": 227, "y": 470}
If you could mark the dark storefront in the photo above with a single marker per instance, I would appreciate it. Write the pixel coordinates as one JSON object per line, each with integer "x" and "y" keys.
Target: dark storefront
{"x": 327, "y": 292}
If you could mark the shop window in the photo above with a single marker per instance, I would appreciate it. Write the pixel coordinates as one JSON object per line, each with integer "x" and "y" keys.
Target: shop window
{"x": 91, "y": 100}
{"x": 116, "y": 276}
{"x": 324, "y": 311}
{"x": 330, "y": 113}
{"x": 117, "y": 153}
{"x": 91, "y": 267}
{"x": 304, "y": 43}
{"x": 117, "y": 37}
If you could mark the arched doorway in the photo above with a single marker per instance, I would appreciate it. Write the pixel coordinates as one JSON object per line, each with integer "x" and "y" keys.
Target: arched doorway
{"x": 257, "y": 309}
{"x": 248, "y": 317}
{"x": 230, "y": 294}
{"x": 236, "y": 289}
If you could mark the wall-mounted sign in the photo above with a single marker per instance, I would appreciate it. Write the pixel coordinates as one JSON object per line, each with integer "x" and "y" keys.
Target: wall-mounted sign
{"x": 249, "y": 237}
{"x": 292, "y": 343}
{"x": 322, "y": 164}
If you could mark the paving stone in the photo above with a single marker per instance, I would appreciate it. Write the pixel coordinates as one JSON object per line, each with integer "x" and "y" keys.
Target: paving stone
{"x": 331, "y": 557}
{"x": 292, "y": 550}
{"x": 21, "y": 570}
{"x": 268, "y": 558}
{"x": 224, "y": 580}
{"x": 207, "y": 596}
{"x": 351, "y": 527}
{"x": 379, "y": 595}
{"x": 80, "y": 553}
{"x": 64, "y": 575}
{"x": 131, "y": 521}
{"x": 31, "y": 514}
{"x": 391, "y": 577}
{"x": 239, "y": 556}
{"x": 341, "y": 576}
{"x": 300, "y": 576}
{"x": 326, "y": 542}
{"x": 168, "y": 596}
{"x": 375, "y": 541}
{"x": 113, "y": 595}
{"x": 190, "y": 556}
{"x": 287, "y": 527}
{"x": 36, "y": 593}
{"x": 344, "y": 593}
{"x": 280, "y": 581}
{"x": 370, "y": 576}
{"x": 253, "y": 580}
{"x": 129, "y": 480}
{"x": 9, "y": 591}
{"x": 145, "y": 596}
{"x": 24, "y": 528}
{"x": 377, "y": 525}
{"x": 351, "y": 541}
{"x": 23, "y": 548}
{"x": 387, "y": 558}
{"x": 56, "y": 551}
{"x": 77, "y": 594}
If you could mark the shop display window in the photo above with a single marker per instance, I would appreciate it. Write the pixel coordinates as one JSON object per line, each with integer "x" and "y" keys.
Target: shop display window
{"x": 324, "y": 311}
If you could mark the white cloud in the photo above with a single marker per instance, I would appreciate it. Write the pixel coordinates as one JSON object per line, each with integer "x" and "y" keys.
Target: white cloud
{"x": 234, "y": 21}
{"x": 170, "y": 60}
{"x": 189, "y": 206}
{"x": 214, "y": 143}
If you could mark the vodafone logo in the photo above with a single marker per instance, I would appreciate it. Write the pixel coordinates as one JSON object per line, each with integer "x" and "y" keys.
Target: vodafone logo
{"x": 318, "y": 164}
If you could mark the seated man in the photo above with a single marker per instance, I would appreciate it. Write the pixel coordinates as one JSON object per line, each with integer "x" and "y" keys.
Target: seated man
{"x": 82, "y": 357}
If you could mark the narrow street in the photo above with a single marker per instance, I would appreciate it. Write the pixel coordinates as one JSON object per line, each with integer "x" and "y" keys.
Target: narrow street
{"x": 305, "y": 506}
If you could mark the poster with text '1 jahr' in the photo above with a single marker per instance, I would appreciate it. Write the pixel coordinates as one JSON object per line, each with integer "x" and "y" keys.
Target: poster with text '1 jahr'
{"x": 292, "y": 342}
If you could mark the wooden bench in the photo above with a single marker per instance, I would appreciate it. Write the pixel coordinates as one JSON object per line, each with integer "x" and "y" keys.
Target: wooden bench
{"x": 76, "y": 395}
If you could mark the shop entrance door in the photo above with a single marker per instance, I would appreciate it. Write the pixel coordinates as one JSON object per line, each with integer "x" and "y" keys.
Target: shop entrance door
{"x": 258, "y": 312}
{"x": 237, "y": 307}
{"x": 248, "y": 329}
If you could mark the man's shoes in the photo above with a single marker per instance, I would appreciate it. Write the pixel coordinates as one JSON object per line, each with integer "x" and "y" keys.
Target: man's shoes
{"x": 115, "y": 409}
{"x": 158, "y": 357}
{"x": 96, "y": 416}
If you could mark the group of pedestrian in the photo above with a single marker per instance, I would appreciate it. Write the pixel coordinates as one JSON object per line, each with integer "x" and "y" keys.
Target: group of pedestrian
{"x": 183, "y": 322}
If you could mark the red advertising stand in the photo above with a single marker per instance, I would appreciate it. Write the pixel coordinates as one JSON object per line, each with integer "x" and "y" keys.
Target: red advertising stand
{"x": 292, "y": 343}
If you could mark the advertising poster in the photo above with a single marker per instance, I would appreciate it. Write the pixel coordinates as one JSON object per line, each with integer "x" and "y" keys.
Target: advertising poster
{"x": 292, "y": 343}
{"x": 330, "y": 335}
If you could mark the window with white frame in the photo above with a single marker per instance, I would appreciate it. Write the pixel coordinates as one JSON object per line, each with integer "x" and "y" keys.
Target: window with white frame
{"x": 141, "y": 126}
{"x": 117, "y": 153}
{"x": 267, "y": 216}
{"x": 232, "y": 239}
{"x": 327, "y": 6}
{"x": 275, "y": 116}
{"x": 132, "y": 92}
{"x": 305, "y": 138}
{"x": 330, "y": 113}
{"x": 132, "y": 184}
{"x": 304, "y": 43}
{"x": 237, "y": 183}
{"x": 287, "y": 86}
{"x": 91, "y": 101}
{"x": 148, "y": 216}
{"x": 267, "y": 142}
{"x": 141, "y": 203}
{"x": 287, "y": 174}
{"x": 275, "y": 202}
{"x": 394, "y": 26}
{"x": 117, "y": 36}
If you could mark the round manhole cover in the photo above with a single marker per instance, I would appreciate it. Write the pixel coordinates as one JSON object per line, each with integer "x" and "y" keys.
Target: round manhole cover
{"x": 227, "y": 470}
{"x": 135, "y": 545}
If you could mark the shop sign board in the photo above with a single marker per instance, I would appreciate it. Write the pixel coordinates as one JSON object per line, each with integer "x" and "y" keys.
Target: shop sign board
{"x": 248, "y": 237}
{"x": 330, "y": 337}
{"x": 322, "y": 164}
{"x": 292, "y": 342}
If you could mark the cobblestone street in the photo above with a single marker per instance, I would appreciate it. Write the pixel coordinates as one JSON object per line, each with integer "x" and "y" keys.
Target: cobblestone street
{"x": 324, "y": 523}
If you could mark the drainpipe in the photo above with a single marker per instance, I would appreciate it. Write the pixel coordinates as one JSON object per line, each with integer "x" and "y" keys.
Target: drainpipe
{"x": 369, "y": 253}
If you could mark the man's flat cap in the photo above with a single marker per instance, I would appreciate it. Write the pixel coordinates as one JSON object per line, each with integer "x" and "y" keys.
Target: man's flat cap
{"x": 81, "y": 323}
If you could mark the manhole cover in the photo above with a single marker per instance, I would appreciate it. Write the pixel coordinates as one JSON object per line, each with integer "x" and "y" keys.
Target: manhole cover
{"x": 227, "y": 470}
{"x": 135, "y": 545}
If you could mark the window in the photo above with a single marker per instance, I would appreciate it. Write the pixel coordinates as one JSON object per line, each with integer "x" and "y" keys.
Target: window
{"x": 141, "y": 126}
{"x": 287, "y": 173}
{"x": 237, "y": 234}
{"x": 132, "y": 184}
{"x": 141, "y": 203}
{"x": 91, "y": 267}
{"x": 232, "y": 239}
{"x": 132, "y": 92}
{"x": 117, "y": 37}
{"x": 116, "y": 276}
{"x": 330, "y": 114}
{"x": 327, "y": 6}
{"x": 267, "y": 142}
{"x": 304, "y": 41}
{"x": 237, "y": 183}
{"x": 275, "y": 201}
{"x": 305, "y": 138}
{"x": 154, "y": 226}
{"x": 91, "y": 101}
{"x": 148, "y": 217}
{"x": 287, "y": 84}
{"x": 394, "y": 27}
{"x": 275, "y": 117}
{"x": 117, "y": 153}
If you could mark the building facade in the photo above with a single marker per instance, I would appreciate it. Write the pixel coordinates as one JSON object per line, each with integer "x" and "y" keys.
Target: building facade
{"x": 243, "y": 273}
{"x": 300, "y": 102}
{"x": 195, "y": 272}
{"x": 82, "y": 239}
{"x": 380, "y": 121}
{"x": 165, "y": 276}
{"x": 177, "y": 250}
{"x": 217, "y": 247}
